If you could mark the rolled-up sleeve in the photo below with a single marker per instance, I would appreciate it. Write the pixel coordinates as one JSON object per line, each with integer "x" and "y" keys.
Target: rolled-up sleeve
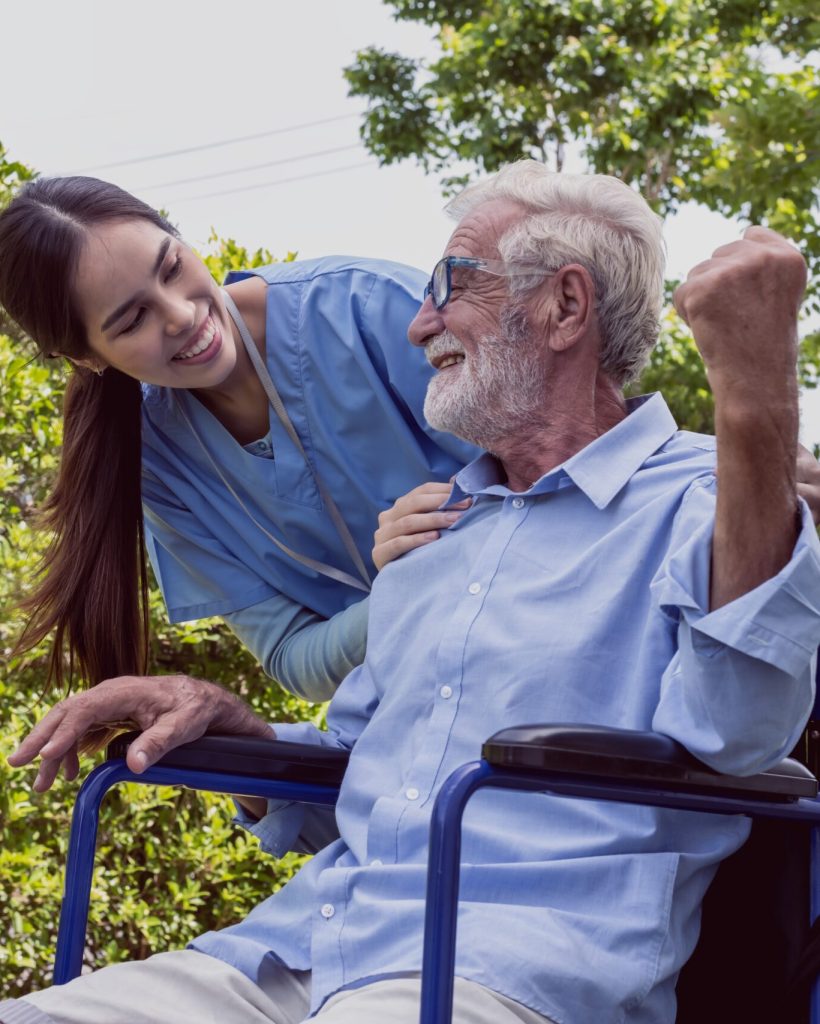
{"x": 740, "y": 688}
{"x": 290, "y": 827}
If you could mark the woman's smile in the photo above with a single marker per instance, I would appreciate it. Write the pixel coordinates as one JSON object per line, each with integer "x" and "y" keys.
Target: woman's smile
{"x": 204, "y": 346}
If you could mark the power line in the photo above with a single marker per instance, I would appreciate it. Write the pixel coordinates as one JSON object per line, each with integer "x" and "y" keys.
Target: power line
{"x": 249, "y": 167}
{"x": 270, "y": 184}
{"x": 213, "y": 145}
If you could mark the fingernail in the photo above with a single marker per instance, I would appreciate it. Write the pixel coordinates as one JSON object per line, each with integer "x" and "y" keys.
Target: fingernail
{"x": 141, "y": 758}
{"x": 451, "y": 517}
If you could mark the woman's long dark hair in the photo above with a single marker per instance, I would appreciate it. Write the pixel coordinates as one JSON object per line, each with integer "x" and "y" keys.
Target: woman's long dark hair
{"x": 91, "y": 591}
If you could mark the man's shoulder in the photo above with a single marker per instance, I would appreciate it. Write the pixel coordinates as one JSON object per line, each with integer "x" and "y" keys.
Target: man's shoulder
{"x": 688, "y": 441}
{"x": 686, "y": 460}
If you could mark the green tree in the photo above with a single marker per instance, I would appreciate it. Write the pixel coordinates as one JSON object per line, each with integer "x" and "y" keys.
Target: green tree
{"x": 701, "y": 100}
{"x": 170, "y": 864}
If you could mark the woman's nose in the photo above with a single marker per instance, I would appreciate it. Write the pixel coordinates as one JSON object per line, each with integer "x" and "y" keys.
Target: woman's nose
{"x": 180, "y": 315}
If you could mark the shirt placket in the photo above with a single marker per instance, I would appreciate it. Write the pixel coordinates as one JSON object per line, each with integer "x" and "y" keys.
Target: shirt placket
{"x": 426, "y": 772}
{"x": 329, "y": 912}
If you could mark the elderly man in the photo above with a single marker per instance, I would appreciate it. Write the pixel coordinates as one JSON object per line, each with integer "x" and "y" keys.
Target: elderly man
{"x": 605, "y": 572}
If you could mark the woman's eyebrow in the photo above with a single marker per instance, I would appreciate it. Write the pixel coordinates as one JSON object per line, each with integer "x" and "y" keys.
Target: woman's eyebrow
{"x": 123, "y": 307}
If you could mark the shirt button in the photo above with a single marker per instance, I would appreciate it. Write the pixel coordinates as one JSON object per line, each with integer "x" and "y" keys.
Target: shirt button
{"x": 376, "y": 863}
{"x": 446, "y": 692}
{"x": 518, "y": 502}
{"x": 474, "y": 588}
{"x": 328, "y": 910}
{"x": 412, "y": 793}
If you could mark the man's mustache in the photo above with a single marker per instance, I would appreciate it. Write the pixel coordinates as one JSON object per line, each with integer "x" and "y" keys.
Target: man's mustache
{"x": 443, "y": 344}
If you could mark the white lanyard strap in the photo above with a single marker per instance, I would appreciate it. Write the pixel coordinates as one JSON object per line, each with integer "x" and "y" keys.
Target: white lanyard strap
{"x": 279, "y": 408}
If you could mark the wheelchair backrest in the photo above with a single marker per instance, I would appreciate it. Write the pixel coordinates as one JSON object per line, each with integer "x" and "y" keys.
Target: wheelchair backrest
{"x": 754, "y": 931}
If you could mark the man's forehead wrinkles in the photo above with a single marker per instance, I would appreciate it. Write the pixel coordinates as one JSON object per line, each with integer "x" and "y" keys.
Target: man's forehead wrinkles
{"x": 480, "y": 232}
{"x": 466, "y": 240}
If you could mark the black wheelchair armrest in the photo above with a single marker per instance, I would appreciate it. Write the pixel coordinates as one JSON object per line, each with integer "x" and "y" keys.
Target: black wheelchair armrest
{"x": 247, "y": 755}
{"x": 626, "y": 755}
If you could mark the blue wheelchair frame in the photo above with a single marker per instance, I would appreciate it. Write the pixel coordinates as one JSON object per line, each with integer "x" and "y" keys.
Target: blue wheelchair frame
{"x": 438, "y": 965}
{"x": 85, "y": 820}
{"x": 657, "y": 787}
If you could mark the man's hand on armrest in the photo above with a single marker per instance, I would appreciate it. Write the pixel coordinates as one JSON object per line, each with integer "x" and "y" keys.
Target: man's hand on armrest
{"x": 169, "y": 711}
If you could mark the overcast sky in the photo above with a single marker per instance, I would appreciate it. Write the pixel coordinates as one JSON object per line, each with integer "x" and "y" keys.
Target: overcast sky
{"x": 89, "y": 85}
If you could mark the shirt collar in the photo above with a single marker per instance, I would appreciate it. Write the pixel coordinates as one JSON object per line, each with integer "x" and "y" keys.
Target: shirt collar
{"x": 600, "y": 470}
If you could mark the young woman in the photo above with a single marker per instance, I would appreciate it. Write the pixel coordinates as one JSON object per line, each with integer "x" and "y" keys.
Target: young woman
{"x": 248, "y": 437}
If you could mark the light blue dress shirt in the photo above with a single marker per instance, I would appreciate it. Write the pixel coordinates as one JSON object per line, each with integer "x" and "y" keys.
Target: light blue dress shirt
{"x": 336, "y": 347}
{"x": 584, "y": 599}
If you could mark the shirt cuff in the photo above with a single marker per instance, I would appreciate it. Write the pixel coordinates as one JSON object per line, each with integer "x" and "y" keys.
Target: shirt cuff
{"x": 278, "y": 830}
{"x": 777, "y": 622}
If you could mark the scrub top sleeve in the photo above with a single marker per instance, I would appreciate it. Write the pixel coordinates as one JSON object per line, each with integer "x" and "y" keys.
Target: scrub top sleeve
{"x": 391, "y": 304}
{"x": 197, "y": 574}
{"x": 307, "y": 654}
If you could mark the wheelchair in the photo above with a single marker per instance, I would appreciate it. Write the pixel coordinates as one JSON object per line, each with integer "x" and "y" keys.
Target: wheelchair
{"x": 754, "y": 961}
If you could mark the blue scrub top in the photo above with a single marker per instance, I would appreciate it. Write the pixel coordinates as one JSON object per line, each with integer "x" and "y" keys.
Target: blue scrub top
{"x": 353, "y": 386}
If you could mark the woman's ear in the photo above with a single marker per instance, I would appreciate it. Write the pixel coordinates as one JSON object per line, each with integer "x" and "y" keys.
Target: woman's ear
{"x": 96, "y": 365}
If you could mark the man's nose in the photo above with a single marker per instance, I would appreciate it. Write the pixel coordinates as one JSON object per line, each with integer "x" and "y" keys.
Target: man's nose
{"x": 427, "y": 323}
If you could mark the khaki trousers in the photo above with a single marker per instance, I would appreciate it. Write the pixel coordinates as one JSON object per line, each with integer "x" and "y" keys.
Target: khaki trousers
{"x": 187, "y": 987}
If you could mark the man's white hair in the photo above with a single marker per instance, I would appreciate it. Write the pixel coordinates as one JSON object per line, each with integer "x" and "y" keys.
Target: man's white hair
{"x": 596, "y": 221}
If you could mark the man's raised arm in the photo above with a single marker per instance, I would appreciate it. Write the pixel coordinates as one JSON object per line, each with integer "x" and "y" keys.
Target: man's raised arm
{"x": 742, "y": 307}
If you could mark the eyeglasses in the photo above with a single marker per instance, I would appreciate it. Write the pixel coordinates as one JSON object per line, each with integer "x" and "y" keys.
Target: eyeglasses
{"x": 440, "y": 285}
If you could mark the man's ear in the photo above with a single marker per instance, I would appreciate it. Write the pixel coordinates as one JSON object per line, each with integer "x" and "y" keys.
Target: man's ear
{"x": 569, "y": 306}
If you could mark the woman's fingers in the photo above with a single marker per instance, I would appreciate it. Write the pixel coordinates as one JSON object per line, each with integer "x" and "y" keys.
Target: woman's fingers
{"x": 425, "y": 498}
{"x": 415, "y": 519}
{"x": 392, "y": 549}
{"x": 417, "y": 522}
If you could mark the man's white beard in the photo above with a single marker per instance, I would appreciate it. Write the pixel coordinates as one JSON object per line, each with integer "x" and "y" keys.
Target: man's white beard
{"x": 497, "y": 392}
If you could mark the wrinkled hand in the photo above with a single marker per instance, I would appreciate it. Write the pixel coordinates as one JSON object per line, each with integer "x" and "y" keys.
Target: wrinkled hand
{"x": 414, "y": 521}
{"x": 169, "y": 711}
{"x": 742, "y": 307}
{"x": 808, "y": 481}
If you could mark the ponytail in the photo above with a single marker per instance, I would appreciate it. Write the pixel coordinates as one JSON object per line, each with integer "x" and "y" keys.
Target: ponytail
{"x": 92, "y": 589}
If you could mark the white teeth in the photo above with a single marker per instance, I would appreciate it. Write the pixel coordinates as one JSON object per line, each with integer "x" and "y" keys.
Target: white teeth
{"x": 450, "y": 361}
{"x": 205, "y": 340}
